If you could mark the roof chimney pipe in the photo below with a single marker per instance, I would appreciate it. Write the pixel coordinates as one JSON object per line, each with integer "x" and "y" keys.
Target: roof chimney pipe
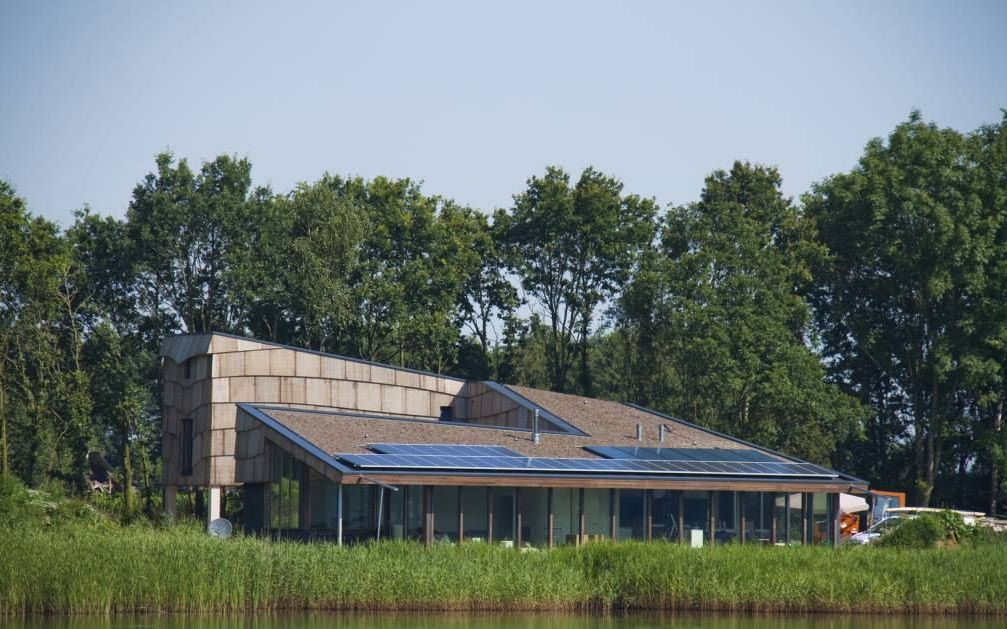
{"x": 535, "y": 436}
{"x": 639, "y": 432}
{"x": 661, "y": 430}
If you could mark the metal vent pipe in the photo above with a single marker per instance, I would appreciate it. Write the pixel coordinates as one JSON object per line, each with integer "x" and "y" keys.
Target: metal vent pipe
{"x": 639, "y": 432}
{"x": 535, "y": 437}
{"x": 661, "y": 430}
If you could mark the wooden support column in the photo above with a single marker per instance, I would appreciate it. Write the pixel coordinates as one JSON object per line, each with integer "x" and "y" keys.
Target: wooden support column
{"x": 613, "y": 513}
{"x": 772, "y": 522}
{"x": 804, "y": 518}
{"x": 428, "y": 515}
{"x": 461, "y": 518}
{"x": 740, "y": 502}
{"x": 681, "y": 516}
{"x": 834, "y": 510}
{"x": 582, "y": 522}
{"x": 489, "y": 515}
{"x": 713, "y": 517}
{"x": 551, "y": 519}
{"x": 648, "y": 507}
{"x": 518, "y": 517}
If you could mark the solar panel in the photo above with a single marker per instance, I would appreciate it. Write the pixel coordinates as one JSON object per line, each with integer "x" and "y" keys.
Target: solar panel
{"x": 441, "y": 449}
{"x": 510, "y": 463}
{"x": 719, "y": 455}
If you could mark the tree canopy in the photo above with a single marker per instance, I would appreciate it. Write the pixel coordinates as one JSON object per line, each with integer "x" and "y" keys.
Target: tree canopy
{"x": 863, "y": 327}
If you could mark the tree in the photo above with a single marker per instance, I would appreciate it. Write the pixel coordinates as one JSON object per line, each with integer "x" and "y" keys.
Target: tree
{"x": 572, "y": 247}
{"x": 182, "y": 225}
{"x": 122, "y": 401}
{"x": 719, "y": 315}
{"x": 908, "y": 244}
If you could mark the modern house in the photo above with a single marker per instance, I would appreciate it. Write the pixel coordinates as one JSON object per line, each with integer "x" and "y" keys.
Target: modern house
{"x": 332, "y": 447}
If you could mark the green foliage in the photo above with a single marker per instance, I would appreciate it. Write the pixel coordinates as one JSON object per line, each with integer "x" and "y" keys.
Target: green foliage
{"x": 716, "y": 327}
{"x": 866, "y": 328}
{"x": 925, "y": 531}
{"x": 908, "y": 299}
{"x": 953, "y": 524}
{"x": 572, "y": 247}
{"x": 182, "y": 569}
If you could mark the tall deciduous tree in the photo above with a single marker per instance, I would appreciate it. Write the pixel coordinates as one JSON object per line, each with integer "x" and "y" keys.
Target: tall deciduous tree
{"x": 721, "y": 307}
{"x": 909, "y": 246}
{"x": 572, "y": 247}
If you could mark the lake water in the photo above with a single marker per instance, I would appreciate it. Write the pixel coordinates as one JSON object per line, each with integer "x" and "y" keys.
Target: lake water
{"x": 498, "y": 621}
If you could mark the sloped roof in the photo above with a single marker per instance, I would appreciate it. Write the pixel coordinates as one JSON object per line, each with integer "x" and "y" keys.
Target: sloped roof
{"x": 604, "y": 422}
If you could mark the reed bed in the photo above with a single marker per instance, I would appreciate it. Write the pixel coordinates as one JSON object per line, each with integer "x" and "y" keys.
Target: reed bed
{"x": 101, "y": 570}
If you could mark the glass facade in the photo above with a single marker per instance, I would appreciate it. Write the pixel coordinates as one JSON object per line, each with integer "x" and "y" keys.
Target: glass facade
{"x": 632, "y": 514}
{"x": 504, "y": 512}
{"x": 666, "y": 505}
{"x": 696, "y": 512}
{"x": 298, "y": 497}
{"x": 534, "y": 507}
{"x": 726, "y": 516}
{"x": 598, "y": 513}
{"x": 285, "y": 490}
{"x": 757, "y": 511}
{"x": 566, "y": 515}
{"x": 445, "y": 506}
{"x": 405, "y": 513}
{"x": 820, "y": 520}
{"x": 475, "y": 512}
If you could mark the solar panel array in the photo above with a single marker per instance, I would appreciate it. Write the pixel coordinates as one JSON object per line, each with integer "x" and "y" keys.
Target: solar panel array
{"x": 720, "y": 455}
{"x": 584, "y": 466}
{"x": 441, "y": 449}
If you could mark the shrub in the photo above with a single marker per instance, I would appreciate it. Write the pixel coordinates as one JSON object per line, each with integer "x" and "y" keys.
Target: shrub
{"x": 924, "y": 531}
{"x": 954, "y": 525}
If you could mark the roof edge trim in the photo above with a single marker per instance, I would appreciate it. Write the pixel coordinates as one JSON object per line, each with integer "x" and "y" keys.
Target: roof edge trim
{"x": 295, "y": 348}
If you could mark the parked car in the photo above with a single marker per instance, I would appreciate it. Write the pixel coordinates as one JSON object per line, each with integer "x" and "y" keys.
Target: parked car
{"x": 881, "y": 528}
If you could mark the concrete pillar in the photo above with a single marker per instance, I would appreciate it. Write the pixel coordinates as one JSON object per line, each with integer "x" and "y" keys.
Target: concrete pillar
{"x": 213, "y": 508}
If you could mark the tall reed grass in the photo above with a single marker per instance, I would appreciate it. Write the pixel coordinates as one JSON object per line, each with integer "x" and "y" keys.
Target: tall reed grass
{"x": 105, "y": 570}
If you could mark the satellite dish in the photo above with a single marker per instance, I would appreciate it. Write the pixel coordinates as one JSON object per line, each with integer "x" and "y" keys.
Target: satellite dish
{"x": 220, "y": 528}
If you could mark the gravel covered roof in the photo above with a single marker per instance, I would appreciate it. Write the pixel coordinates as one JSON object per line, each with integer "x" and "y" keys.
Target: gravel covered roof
{"x": 604, "y": 421}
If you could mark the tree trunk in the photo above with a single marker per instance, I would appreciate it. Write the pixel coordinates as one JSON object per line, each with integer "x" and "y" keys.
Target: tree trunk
{"x": 998, "y": 417}
{"x": 127, "y": 471}
{"x": 4, "y": 459}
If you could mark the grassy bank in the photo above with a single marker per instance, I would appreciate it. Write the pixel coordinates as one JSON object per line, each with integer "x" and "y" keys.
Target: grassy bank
{"x": 100, "y": 569}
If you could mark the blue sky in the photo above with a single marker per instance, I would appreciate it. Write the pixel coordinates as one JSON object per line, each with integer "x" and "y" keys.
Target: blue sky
{"x": 473, "y": 98}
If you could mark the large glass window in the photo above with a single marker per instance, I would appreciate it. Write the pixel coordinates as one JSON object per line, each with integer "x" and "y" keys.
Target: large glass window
{"x": 535, "y": 516}
{"x": 285, "y": 490}
{"x": 566, "y": 515}
{"x": 405, "y": 513}
{"x": 757, "y": 508}
{"x": 726, "y": 517}
{"x": 598, "y": 513}
{"x": 666, "y": 511}
{"x": 476, "y": 514}
{"x": 445, "y": 506}
{"x": 360, "y": 517}
{"x": 323, "y": 502}
{"x": 819, "y": 518}
{"x": 632, "y": 513}
{"x": 503, "y": 514}
{"x": 697, "y": 516}
{"x": 795, "y": 519}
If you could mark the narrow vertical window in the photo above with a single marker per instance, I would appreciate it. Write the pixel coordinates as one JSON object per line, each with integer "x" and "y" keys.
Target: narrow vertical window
{"x": 187, "y": 440}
